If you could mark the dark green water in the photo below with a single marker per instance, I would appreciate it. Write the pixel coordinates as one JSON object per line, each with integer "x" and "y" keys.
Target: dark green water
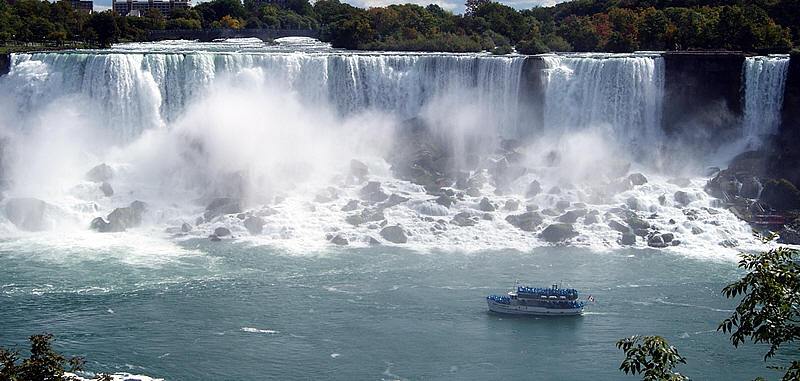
{"x": 233, "y": 312}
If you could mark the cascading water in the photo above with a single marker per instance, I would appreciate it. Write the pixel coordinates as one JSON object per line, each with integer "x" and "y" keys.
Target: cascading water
{"x": 183, "y": 122}
{"x": 621, "y": 93}
{"x": 764, "y": 79}
{"x": 137, "y": 91}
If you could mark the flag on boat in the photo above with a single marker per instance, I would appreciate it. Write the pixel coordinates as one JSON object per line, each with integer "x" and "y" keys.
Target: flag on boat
{"x": 590, "y": 298}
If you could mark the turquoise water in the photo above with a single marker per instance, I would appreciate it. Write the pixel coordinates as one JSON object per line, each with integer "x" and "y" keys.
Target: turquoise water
{"x": 234, "y": 312}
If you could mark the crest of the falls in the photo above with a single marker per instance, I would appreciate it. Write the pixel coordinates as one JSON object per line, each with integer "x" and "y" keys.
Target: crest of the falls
{"x": 764, "y": 80}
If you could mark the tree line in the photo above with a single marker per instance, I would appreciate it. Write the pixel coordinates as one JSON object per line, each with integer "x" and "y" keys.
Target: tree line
{"x": 762, "y": 26}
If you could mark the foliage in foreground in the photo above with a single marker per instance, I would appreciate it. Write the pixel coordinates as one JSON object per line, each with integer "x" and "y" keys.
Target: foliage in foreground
{"x": 44, "y": 364}
{"x": 768, "y": 313}
{"x": 652, "y": 357}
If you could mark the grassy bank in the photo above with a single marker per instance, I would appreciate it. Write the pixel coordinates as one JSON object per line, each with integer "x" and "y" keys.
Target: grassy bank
{"x": 37, "y": 47}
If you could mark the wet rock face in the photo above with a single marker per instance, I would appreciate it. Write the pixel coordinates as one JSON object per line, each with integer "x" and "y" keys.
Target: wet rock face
{"x": 27, "y": 214}
{"x": 527, "y": 221}
{"x": 222, "y": 232}
{"x": 221, "y": 206}
{"x": 372, "y": 192}
{"x": 394, "y": 234}
{"x": 558, "y": 232}
{"x": 254, "y": 224}
{"x": 100, "y": 173}
{"x": 781, "y": 194}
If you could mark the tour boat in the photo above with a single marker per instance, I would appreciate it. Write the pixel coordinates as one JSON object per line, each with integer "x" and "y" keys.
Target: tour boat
{"x": 553, "y": 301}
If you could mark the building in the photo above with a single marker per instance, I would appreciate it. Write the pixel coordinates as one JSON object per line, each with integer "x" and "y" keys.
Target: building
{"x": 85, "y": 6}
{"x": 138, "y": 7}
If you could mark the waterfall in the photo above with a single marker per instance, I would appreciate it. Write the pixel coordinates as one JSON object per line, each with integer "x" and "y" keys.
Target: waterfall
{"x": 136, "y": 91}
{"x": 764, "y": 79}
{"x": 621, "y": 93}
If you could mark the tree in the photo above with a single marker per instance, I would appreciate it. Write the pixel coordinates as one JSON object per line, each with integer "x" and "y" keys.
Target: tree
{"x": 652, "y": 357}
{"x": 769, "y": 311}
{"x": 104, "y": 24}
{"x": 472, "y": 5}
{"x": 43, "y": 364}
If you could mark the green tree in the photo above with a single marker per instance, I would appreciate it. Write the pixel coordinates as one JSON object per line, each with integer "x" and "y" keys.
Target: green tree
{"x": 105, "y": 26}
{"x": 44, "y": 364}
{"x": 652, "y": 357}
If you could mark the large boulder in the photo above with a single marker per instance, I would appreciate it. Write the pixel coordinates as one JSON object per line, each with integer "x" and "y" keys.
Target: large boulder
{"x": 339, "y": 240}
{"x": 527, "y": 221}
{"x": 372, "y": 192}
{"x": 121, "y": 219}
{"x": 637, "y": 179}
{"x": 627, "y": 239}
{"x": 107, "y": 190}
{"x": 100, "y": 173}
{"x": 682, "y": 198}
{"x": 28, "y": 213}
{"x": 350, "y": 206}
{"x": 751, "y": 187}
{"x": 358, "y": 170}
{"x": 221, "y": 206}
{"x": 254, "y": 224}
{"x": 222, "y": 231}
{"x": 558, "y": 232}
{"x": 486, "y": 206}
{"x": 534, "y": 188}
{"x": 618, "y": 226}
{"x": 394, "y": 234}
{"x": 657, "y": 241}
{"x": 464, "y": 219}
{"x": 781, "y": 195}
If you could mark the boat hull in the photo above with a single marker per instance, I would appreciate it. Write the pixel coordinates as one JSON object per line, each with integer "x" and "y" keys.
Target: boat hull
{"x": 512, "y": 309}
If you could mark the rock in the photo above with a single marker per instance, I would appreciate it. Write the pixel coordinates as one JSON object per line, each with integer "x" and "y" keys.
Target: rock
{"x": 372, "y": 192}
{"x": 254, "y": 224}
{"x": 185, "y": 227}
{"x": 558, "y": 233}
{"x": 485, "y": 205}
{"x": 464, "y": 219}
{"x": 358, "y": 170}
{"x": 445, "y": 200}
{"x": 531, "y": 207}
{"x": 214, "y": 238}
{"x": 527, "y": 221}
{"x": 662, "y": 200}
{"x": 511, "y": 205}
{"x": 372, "y": 241}
{"x": 781, "y": 195}
{"x": 100, "y": 173}
{"x": 327, "y": 195}
{"x": 121, "y": 219}
{"x": 656, "y": 241}
{"x": 473, "y": 192}
{"x": 697, "y": 230}
{"x": 554, "y": 190}
{"x": 637, "y": 179}
{"x": 618, "y": 226}
{"x": 641, "y": 232}
{"x": 241, "y": 216}
{"x": 562, "y": 205}
{"x": 550, "y": 212}
{"x": 634, "y": 204}
{"x": 394, "y": 234}
{"x": 394, "y": 199}
{"x": 668, "y": 237}
{"x": 637, "y": 223}
{"x": 372, "y": 214}
{"x": 339, "y": 240}
{"x": 222, "y": 232}
{"x": 591, "y": 219}
{"x": 350, "y": 206}
{"x": 431, "y": 209}
{"x": 569, "y": 217}
{"x": 220, "y": 206}
{"x": 107, "y": 190}
{"x": 729, "y": 243}
{"x": 487, "y": 217}
{"x": 627, "y": 239}
{"x": 682, "y": 198}
{"x": 354, "y": 219}
{"x": 789, "y": 235}
{"x": 199, "y": 220}
{"x": 100, "y": 225}
{"x": 28, "y": 214}
{"x": 711, "y": 171}
{"x": 724, "y": 185}
{"x": 751, "y": 187}
{"x": 534, "y": 188}
{"x": 675, "y": 242}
